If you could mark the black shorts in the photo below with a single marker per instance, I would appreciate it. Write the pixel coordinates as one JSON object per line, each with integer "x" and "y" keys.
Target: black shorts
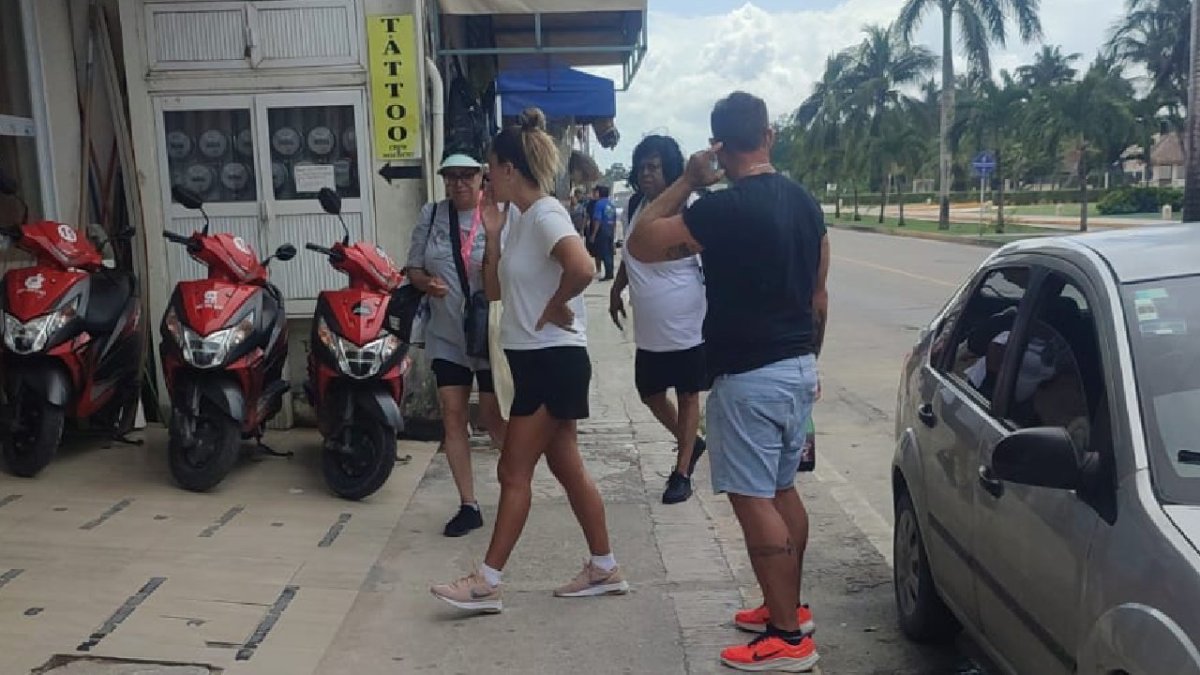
{"x": 555, "y": 377}
{"x": 450, "y": 374}
{"x": 656, "y": 372}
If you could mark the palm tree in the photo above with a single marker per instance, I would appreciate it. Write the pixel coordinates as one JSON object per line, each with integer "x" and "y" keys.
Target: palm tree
{"x": 981, "y": 23}
{"x": 822, "y": 116}
{"x": 994, "y": 112}
{"x": 1086, "y": 120}
{"x": 1156, "y": 35}
{"x": 903, "y": 147}
{"x": 1050, "y": 68}
{"x": 882, "y": 65}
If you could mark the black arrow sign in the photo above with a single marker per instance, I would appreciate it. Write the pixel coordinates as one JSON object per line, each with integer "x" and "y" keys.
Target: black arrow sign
{"x": 391, "y": 173}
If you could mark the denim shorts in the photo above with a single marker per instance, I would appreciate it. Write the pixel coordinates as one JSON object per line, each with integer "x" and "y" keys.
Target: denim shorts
{"x": 757, "y": 425}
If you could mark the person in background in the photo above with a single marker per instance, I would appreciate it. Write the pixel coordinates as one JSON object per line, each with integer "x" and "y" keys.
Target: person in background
{"x": 432, "y": 269}
{"x": 603, "y": 232}
{"x": 589, "y": 207}
{"x": 541, "y": 277}
{"x": 579, "y": 211}
{"x": 766, "y": 259}
{"x": 668, "y": 314}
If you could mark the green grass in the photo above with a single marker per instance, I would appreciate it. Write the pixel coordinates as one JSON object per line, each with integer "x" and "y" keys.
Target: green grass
{"x": 911, "y": 225}
{"x": 1068, "y": 210}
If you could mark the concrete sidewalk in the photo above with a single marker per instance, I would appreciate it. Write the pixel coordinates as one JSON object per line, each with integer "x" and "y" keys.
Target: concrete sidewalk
{"x": 683, "y": 586}
{"x": 102, "y": 557}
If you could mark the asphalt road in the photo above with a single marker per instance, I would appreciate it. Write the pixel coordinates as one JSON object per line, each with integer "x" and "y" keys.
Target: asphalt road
{"x": 883, "y": 291}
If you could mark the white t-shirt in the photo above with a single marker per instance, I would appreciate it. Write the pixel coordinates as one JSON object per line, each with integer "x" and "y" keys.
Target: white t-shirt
{"x": 529, "y": 276}
{"x": 668, "y": 301}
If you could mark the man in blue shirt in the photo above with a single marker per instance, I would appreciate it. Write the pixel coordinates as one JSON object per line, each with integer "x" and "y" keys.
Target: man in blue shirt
{"x": 603, "y": 231}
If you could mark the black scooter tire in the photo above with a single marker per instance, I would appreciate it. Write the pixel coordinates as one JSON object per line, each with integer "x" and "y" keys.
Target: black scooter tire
{"x": 380, "y": 457}
{"x": 226, "y": 441}
{"x": 28, "y": 453}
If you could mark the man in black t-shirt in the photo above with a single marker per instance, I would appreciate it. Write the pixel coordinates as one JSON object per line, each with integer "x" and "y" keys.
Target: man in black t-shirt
{"x": 766, "y": 258}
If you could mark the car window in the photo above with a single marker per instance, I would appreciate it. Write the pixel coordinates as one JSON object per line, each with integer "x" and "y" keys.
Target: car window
{"x": 981, "y": 335}
{"x": 1163, "y": 317}
{"x": 943, "y": 329}
{"x": 1059, "y": 380}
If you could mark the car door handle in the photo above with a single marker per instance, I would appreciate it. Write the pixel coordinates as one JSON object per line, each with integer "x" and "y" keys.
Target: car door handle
{"x": 925, "y": 414}
{"x": 989, "y": 482}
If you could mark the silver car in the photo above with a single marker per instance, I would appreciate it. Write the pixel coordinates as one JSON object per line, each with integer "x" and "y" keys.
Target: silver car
{"x": 1047, "y": 469}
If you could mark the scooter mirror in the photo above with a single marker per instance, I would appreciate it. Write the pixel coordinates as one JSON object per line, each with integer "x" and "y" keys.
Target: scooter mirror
{"x": 187, "y": 198}
{"x": 330, "y": 201}
{"x": 285, "y": 252}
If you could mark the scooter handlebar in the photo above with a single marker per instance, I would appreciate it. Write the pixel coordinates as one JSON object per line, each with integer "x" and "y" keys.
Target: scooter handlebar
{"x": 319, "y": 249}
{"x": 177, "y": 238}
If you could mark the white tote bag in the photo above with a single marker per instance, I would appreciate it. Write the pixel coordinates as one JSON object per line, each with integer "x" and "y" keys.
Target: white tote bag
{"x": 501, "y": 375}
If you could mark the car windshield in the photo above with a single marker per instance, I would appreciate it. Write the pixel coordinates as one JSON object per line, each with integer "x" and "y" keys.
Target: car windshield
{"x": 1164, "y": 329}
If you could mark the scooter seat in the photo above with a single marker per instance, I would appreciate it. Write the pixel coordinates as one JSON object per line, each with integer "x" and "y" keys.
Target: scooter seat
{"x": 110, "y": 294}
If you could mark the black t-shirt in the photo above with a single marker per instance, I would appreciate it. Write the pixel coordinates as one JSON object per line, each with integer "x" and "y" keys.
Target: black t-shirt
{"x": 762, "y": 250}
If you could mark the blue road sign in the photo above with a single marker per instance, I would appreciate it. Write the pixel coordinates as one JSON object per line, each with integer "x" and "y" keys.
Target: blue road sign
{"x": 984, "y": 163}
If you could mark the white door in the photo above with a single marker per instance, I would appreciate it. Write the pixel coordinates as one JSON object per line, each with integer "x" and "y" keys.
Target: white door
{"x": 258, "y": 163}
{"x": 209, "y": 145}
{"x": 309, "y": 141}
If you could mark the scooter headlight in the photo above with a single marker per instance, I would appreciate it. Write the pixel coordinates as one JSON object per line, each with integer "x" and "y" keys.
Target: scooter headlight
{"x": 31, "y": 337}
{"x": 212, "y": 350}
{"x": 353, "y": 360}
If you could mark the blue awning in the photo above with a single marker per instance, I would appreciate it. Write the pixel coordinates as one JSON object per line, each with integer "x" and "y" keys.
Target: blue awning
{"x": 559, "y": 91}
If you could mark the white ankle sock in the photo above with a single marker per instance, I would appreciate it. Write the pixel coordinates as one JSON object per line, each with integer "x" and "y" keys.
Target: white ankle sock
{"x": 605, "y": 562}
{"x": 491, "y": 576}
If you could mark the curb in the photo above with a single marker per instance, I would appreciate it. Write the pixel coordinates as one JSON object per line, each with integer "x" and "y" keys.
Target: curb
{"x": 927, "y": 236}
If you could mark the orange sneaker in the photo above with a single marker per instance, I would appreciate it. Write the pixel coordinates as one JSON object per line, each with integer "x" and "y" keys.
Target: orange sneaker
{"x": 755, "y": 620}
{"x": 769, "y": 652}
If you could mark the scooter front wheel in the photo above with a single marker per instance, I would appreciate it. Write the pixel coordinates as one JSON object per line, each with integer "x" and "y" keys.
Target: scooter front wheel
{"x": 33, "y": 441}
{"x": 203, "y": 450}
{"x": 359, "y": 458}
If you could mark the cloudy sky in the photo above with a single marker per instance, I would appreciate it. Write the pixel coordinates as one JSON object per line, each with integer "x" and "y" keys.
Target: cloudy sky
{"x": 701, "y": 49}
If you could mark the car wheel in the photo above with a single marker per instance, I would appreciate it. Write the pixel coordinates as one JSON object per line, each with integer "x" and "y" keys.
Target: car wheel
{"x": 923, "y": 615}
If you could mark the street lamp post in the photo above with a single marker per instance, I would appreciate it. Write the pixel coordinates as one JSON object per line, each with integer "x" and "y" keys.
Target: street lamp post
{"x": 1191, "y": 190}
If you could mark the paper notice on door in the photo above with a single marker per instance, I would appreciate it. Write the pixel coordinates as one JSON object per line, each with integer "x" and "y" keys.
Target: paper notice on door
{"x": 313, "y": 177}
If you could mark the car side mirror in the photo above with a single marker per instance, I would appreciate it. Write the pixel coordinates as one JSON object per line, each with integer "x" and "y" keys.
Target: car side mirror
{"x": 285, "y": 253}
{"x": 187, "y": 198}
{"x": 330, "y": 201}
{"x": 1041, "y": 457}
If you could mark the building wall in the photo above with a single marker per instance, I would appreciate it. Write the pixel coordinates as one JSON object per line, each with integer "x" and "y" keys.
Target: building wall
{"x": 396, "y": 205}
{"x": 56, "y": 50}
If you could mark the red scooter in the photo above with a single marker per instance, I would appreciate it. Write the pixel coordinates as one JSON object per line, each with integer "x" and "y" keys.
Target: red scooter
{"x": 72, "y": 346}
{"x": 356, "y": 367}
{"x": 224, "y": 342}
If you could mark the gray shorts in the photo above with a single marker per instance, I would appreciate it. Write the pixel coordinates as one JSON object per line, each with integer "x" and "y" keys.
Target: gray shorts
{"x": 757, "y": 424}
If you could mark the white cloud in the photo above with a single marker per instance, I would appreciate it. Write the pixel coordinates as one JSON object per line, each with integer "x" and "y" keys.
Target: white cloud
{"x": 694, "y": 60}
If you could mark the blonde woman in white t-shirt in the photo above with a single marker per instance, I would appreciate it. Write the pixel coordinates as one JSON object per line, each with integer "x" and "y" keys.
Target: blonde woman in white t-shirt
{"x": 541, "y": 277}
